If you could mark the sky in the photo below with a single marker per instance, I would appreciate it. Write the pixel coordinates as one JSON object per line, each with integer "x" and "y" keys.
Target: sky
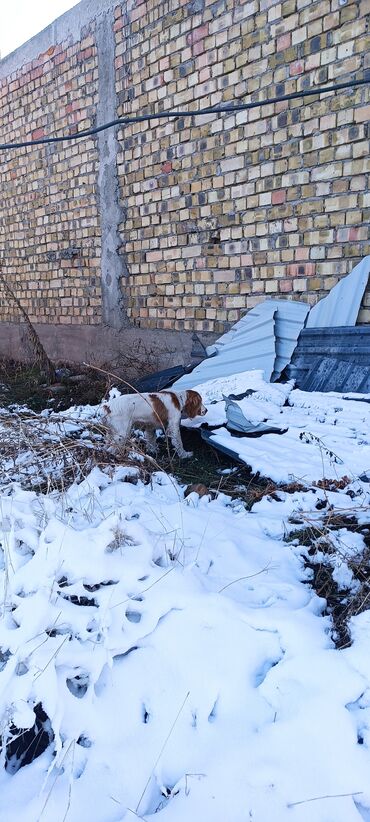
{"x": 22, "y": 19}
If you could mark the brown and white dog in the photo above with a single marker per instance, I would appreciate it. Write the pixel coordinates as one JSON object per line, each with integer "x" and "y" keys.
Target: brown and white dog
{"x": 152, "y": 411}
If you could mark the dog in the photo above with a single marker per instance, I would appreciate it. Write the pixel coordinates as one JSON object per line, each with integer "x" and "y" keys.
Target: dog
{"x": 151, "y": 411}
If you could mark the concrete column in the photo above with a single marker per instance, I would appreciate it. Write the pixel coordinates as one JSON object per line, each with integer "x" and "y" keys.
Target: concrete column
{"x": 113, "y": 267}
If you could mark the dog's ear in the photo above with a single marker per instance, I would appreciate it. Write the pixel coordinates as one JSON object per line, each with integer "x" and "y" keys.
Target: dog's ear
{"x": 106, "y": 409}
{"x": 193, "y": 404}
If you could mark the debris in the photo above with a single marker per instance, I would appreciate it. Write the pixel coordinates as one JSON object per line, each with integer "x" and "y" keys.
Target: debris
{"x": 251, "y": 346}
{"x": 217, "y": 393}
{"x": 334, "y": 375}
{"x": 332, "y": 359}
{"x": 267, "y": 335}
{"x": 161, "y": 379}
{"x": 322, "y": 436}
{"x": 229, "y": 450}
{"x": 341, "y": 306}
{"x": 236, "y": 421}
{"x": 264, "y": 338}
{"x": 248, "y": 413}
{"x": 289, "y": 320}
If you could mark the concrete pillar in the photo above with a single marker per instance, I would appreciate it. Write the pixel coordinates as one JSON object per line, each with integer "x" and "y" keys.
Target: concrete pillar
{"x": 113, "y": 267}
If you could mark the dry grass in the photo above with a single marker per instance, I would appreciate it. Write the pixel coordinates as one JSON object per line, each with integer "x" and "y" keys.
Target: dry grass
{"x": 40, "y": 356}
{"x": 333, "y": 484}
{"x": 49, "y": 453}
{"x": 322, "y": 552}
{"x": 23, "y": 384}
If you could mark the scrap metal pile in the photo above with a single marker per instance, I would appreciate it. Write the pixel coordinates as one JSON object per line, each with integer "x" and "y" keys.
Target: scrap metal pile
{"x": 280, "y": 346}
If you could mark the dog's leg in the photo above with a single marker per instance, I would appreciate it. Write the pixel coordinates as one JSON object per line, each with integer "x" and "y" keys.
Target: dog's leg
{"x": 118, "y": 432}
{"x": 173, "y": 431}
{"x": 151, "y": 439}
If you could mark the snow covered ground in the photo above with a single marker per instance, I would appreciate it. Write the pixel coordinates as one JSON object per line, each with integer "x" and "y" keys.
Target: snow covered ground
{"x": 185, "y": 667}
{"x": 323, "y": 435}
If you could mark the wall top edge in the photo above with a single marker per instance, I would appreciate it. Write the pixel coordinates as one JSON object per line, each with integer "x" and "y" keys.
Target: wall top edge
{"x": 66, "y": 27}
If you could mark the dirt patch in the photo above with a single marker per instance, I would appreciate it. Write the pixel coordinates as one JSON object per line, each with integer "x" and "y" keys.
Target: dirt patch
{"x": 24, "y": 385}
{"x": 213, "y": 469}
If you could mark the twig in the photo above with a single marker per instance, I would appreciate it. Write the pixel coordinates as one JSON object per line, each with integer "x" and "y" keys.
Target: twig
{"x": 326, "y": 796}
{"x": 144, "y": 590}
{"x": 161, "y": 751}
{"x": 57, "y": 777}
{"x": 52, "y": 657}
{"x": 70, "y": 782}
{"x": 250, "y": 576}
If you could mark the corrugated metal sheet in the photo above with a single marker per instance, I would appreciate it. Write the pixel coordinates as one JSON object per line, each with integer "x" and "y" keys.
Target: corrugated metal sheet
{"x": 236, "y": 421}
{"x": 341, "y": 306}
{"x": 331, "y": 374}
{"x": 252, "y": 348}
{"x": 265, "y": 338}
{"x": 332, "y": 359}
{"x": 209, "y": 437}
{"x": 161, "y": 379}
{"x": 290, "y": 319}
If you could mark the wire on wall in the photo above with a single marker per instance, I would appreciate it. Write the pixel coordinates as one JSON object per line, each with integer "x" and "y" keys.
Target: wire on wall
{"x": 162, "y": 115}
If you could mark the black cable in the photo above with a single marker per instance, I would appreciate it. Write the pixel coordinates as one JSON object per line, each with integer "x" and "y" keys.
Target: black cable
{"x": 228, "y": 108}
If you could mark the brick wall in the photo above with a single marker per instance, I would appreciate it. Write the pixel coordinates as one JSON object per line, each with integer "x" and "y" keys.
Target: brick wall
{"x": 50, "y": 227}
{"x": 214, "y": 213}
{"x": 226, "y": 210}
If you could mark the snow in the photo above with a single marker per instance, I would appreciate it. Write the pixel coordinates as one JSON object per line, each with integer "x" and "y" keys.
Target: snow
{"x": 323, "y": 435}
{"x": 214, "y": 392}
{"x": 300, "y": 455}
{"x": 36, "y": 448}
{"x": 188, "y": 641}
{"x": 183, "y": 660}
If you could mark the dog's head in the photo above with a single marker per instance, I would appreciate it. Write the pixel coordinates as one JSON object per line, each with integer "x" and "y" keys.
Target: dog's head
{"x": 193, "y": 406}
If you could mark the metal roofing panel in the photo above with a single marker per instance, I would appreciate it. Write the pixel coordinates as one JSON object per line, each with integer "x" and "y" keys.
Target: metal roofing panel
{"x": 229, "y": 336}
{"x": 331, "y": 374}
{"x": 290, "y": 319}
{"x": 236, "y": 421}
{"x": 332, "y": 359}
{"x": 289, "y": 307}
{"x": 263, "y": 309}
{"x": 341, "y": 306}
{"x": 160, "y": 379}
{"x": 252, "y": 348}
{"x": 208, "y": 436}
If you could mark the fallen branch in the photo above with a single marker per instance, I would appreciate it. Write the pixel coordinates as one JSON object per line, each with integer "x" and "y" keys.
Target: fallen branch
{"x": 45, "y": 364}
